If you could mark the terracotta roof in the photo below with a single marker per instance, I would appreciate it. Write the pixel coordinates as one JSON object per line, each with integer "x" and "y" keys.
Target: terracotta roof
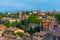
{"x": 2, "y": 27}
{"x": 47, "y": 23}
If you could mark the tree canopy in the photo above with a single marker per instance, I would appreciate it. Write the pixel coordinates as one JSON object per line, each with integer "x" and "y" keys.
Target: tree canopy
{"x": 57, "y": 16}
{"x": 33, "y": 30}
{"x": 33, "y": 19}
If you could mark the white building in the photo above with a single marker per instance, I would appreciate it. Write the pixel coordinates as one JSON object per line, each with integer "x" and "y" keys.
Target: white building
{"x": 10, "y": 19}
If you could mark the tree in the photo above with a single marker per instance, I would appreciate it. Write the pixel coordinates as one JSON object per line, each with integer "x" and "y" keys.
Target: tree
{"x": 24, "y": 22}
{"x": 8, "y": 24}
{"x": 33, "y": 19}
{"x": 18, "y": 24}
{"x": 57, "y": 16}
{"x": 33, "y": 30}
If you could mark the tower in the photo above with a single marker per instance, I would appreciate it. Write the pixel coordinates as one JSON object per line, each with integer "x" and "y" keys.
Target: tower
{"x": 20, "y": 15}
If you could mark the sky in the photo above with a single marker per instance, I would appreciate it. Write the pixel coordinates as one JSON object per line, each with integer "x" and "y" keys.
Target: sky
{"x": 27, "y": 5}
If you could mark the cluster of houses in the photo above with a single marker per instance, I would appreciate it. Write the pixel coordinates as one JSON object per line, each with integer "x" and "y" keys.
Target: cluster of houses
{"x": 6, "y": 33}
{"x": 51, "y": 29}
{"x": 44, "y": 35}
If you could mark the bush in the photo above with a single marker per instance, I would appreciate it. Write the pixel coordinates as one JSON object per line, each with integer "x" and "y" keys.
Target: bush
{"x": 20, "y": 34}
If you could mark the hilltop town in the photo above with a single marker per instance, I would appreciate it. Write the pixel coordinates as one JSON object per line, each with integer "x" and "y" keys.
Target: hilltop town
{"x": 30, "y": 25}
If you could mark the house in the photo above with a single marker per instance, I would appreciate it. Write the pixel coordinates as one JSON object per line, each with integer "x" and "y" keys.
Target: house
{"x": 15, "y": 30}
{"x": 19, "y": 30}
{"x": 42, "y": 13}
{"x": 7, "y": 34}
{"x": 48, "y": 26}
{"x": 30, "y": 13}
{"x": 9, "y": 19}
{"x": 2, "y": 29}
{"x": 27, "y": 38}
{"x": 39, "y": 35}
{"x": 9, "y": 13}
{"x": 54, "y": 35}
{"x": 35, "y": 11}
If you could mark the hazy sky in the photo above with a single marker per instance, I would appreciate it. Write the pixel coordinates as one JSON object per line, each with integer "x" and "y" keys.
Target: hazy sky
{"x": 18, "y": 5}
